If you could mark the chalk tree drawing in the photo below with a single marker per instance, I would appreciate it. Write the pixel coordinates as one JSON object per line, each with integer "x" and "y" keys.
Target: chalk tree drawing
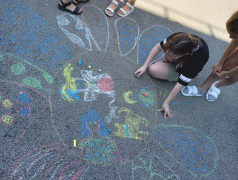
{"x": 47, "y": 162}
{"x": 18, "y": 110}
{"x": 152, "y": 168}
{"x": 38, "y": 78}
{"x": 97, "y": 146}
{"x": 131, "y": 126}
{"x": 189, "y": 146}
{"x": 33, "y": 38}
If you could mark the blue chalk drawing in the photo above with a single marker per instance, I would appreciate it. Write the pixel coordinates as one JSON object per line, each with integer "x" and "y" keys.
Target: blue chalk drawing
{"x": 24, "y": 98}
{"x": 148, "y": 39}
{"x": 127, "y": 34}
{"x": 189, "y": 147}
{"x": 32, "y": 35}
{"x": 92, "y": 117}
{"x": 25, "y": 112}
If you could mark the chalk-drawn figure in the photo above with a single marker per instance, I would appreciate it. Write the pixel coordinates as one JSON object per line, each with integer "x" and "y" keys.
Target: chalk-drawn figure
{"x": 152, "y": 168}
{"x": 52, "y": 161}
{"x": 90, "y": 87}
{"x": 189, "y": 147}
{"x": 132, "y": 125}
{"x": 96, "y": 145}
{"x": 33, "y": 37}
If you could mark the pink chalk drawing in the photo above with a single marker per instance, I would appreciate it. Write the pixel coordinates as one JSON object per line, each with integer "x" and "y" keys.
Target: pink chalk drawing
{"x": 25, "y": 105}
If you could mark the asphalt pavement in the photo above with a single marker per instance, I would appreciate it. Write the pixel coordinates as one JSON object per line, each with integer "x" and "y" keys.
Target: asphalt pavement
{"x": 71, "y": 107}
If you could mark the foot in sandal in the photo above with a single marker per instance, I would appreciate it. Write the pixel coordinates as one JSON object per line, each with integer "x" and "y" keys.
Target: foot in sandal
{"x": 69, "y": 7}
{"x": 111, "y": 8}
{"x": 126, "y": 10}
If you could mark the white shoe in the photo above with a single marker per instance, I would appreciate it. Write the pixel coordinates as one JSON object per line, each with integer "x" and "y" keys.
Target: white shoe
{"x": 124, "y": 12}
{"x": 110, "y": 9}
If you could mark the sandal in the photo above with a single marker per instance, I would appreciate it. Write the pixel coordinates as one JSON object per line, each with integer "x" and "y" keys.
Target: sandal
{"x": 110, "y": 9}
{"x": 124, "y": 12}
{"x": 213, "y": 93}
{"x": 65, "y": 5}
{"x": 80, "y": 1}
{"x": 190, "y": 91}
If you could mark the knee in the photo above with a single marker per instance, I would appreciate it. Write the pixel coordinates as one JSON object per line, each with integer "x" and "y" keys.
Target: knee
{"x": 152, "y": 70}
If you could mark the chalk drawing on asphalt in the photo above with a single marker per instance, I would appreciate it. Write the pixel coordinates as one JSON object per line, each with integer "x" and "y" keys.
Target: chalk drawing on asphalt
{"x": 91, "y": 32}
{"x": 47, "y": 162}
{"x": 127, "y": 35}
{"x": 33, "y": 38}
{"x": 96, "y": 145}
{"x": 131, "y": 127}
{"x": 17, "y": 72}
{"x": 189, "y": 146}
{"x": 152, "y": 168}
{"x": 18, "y": 111}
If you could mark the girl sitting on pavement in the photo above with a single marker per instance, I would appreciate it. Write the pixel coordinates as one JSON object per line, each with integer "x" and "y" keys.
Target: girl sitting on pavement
{"x": 185, "y": 56}
{"x": 225, "y": 72}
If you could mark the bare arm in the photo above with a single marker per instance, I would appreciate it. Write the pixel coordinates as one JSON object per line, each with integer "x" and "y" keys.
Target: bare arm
{"x": 231, "y": 47}
{"x": 156, "y": 49}
{"x": 165, "y": 107}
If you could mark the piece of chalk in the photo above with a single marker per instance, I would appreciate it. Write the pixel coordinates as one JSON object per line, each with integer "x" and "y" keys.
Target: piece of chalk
{"x": 89, "y": 67}
{"x": 99, "y": 70}
{"x": 109, "y": 130}
{"x": 75, "y": 143}
{"x": 137, "y": 75}
{"x": 79, "y": 63}
{"x": 144, "y": 94}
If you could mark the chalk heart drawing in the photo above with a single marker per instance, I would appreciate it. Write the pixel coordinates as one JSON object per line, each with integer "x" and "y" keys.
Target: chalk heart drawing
{"x": 78, "y": 91}
{"x": 189, "y": 146}
{"x": 33, "y": 40}
{"x": 151, "y": 167}
{"x": 20, "y": 105}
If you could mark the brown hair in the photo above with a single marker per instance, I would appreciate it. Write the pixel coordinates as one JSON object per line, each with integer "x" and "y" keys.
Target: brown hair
{"x": 182, "y": 43}
{"x": 232, "y": 23}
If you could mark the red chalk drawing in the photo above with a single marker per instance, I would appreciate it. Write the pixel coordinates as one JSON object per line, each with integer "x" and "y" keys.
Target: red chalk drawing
{"x": 105, "y": 84}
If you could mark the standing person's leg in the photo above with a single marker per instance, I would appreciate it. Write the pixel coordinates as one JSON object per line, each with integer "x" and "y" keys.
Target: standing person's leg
{"x": 127, "y": 9}
{"x": 67, "y": 5}
{"x": 112, "y": 7}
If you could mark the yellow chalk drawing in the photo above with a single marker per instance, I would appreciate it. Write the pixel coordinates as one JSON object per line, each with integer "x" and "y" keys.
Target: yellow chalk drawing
{"x": 7, "y": 103}
{"x": 70, "y": 83}
{"x": 7, "y": 119}
{"x": 130, "y": 129}
{"x": 127, "y": 98}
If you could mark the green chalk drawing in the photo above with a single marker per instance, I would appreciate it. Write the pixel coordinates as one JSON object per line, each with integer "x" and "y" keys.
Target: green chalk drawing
{"x": 1, "y": 57}
{"x": 32, "y": 82}
{"x": 148, "y": 167}
{"x": 18, "y": 68}
{"x": 48, "y": 77}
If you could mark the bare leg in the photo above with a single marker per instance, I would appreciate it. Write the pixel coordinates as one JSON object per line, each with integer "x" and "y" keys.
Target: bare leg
{"x": 208, "y": 82}
{"x": 159, "y": 70}
{"x": 127, "y": 8}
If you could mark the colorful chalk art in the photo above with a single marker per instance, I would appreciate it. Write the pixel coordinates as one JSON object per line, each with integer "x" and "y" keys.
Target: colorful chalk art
{"x": 97, "y": 109}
